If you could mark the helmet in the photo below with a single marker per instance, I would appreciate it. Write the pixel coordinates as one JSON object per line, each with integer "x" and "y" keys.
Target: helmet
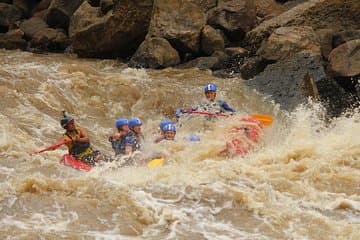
{"x": 65, "y": 121}
{"x": 194, "y": 138}
{"x": 169, "y": 127}
{"x": 210, "y": 87}
{"x": 163, "y": 123}
{"x": 121, "y": 122}
{"x": 134, "y": 122}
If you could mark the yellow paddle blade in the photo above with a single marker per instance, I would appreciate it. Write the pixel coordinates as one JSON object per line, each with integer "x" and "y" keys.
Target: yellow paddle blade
{"x": 157, "y": 162}
{"x": 266, "y": 120}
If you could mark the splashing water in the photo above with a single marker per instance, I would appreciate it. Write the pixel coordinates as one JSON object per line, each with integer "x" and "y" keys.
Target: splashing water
{"x": 301, "y": 181}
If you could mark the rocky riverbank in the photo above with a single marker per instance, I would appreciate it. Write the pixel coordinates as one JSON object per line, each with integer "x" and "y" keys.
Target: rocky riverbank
{"x": 290, "y": 50}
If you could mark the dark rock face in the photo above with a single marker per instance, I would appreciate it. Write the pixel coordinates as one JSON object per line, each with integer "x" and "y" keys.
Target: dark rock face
{"x": 291, "y": 81}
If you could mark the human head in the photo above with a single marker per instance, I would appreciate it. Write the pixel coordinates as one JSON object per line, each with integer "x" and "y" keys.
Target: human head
{"x": 210, "y": 91}
{"x": 122, "y": 124}
{"x": 169, "y": 131}
{"x": 163, "y": 123}
{"x": 67, "y": 122}
{"x": 135, "y": 124}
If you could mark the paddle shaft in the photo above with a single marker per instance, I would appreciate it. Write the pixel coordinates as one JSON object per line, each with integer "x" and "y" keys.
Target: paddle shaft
{"x": 52, "y": 147}
{"x": 264, "y": 119}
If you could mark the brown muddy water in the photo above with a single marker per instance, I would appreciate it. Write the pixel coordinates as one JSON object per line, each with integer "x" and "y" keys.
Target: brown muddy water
{"x": 301, "y": 182}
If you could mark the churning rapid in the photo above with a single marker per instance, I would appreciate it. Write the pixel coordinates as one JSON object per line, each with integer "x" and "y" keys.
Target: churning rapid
{"x": 301, "y": 182}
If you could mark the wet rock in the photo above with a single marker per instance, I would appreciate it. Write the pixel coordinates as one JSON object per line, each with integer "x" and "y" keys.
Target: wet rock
{"x": 179, "y": 22}
{"x": 211, "y": 40}
{"x": 116, "y": 34}
{"x": 252, "y": 66}
{"x": 155, "y": 53}
{"x": 286, "y": 41}
{"x": 201, "y": 63}
{"x": 345, "y": 59}
{"x": 235, "y": 18}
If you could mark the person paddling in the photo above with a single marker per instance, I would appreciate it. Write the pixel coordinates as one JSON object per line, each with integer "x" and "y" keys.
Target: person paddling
{"x": 78, "y": 141}
{"x": 209, "y": 106}
{"x": 117, "y": 140}
{"x": 134, "y": 138}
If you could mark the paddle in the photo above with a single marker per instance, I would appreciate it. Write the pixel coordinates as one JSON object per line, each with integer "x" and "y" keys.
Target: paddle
{"x": 157, "y": 162}
{"x": 52, "y": 147}
{"x": 266, "y": 120}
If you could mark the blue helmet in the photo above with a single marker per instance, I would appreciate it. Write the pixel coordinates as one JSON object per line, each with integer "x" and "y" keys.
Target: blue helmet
{"x": 169, "y": 127}
{"x": 121, "y": 122}
{"x": 163, "y": 123}
{"x": 134, "y": 122}
{"x": 194, "y": 138}
{"x": 210, "y": 87}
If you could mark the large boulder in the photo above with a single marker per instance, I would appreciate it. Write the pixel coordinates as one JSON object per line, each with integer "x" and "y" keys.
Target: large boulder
{"x": 211, "y": 40}
{"x": 32, "y": 26}
{"x": 180, "y": 22}
{"x": 235, "y": 18}
{"x": 319, "y": 14}
{"x": 286, "y": 41}
{"x": 345, "y": 59}
{"x": 116, "y": 34}
{"x": 155, "y": 53}
{"x": 9, "y": 14}
{"x": 60, "y": 11}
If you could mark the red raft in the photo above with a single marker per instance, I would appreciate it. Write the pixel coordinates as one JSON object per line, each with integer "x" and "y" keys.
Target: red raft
{"x": 244, "y": 137}
{"x": 77, "y": 164}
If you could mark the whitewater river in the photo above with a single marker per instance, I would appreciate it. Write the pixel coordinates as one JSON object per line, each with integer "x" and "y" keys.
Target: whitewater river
{"x": 301, "y": 182}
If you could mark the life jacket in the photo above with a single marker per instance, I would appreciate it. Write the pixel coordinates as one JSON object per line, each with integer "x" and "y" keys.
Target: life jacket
{"x": 118, "y": 145}
{"x": 133, "y": 140}
{"x": 76, "y": 148}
